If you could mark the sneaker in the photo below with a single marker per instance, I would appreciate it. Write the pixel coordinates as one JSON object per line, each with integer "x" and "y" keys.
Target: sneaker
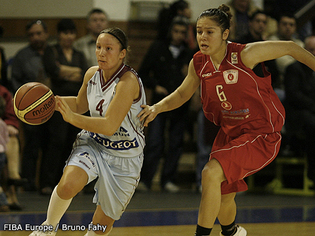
{"x": 41, "y": 233}
{"x": 240, "y": 231}
{"x": 171, "y": 187}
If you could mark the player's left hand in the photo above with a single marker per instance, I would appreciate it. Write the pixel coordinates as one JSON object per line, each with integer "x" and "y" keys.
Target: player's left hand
{"x": 148, "y": 114}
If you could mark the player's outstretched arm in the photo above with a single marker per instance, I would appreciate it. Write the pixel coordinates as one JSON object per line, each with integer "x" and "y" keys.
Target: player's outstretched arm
{"x": 181, "y": 95}
{"x": 257, "y": 52}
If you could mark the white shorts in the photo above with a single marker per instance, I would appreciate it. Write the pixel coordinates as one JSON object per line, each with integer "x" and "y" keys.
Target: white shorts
{"x": 118, "y": 177}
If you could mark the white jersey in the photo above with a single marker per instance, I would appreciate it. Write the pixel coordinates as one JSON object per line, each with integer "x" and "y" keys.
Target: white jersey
{"x": 128, "y": 140}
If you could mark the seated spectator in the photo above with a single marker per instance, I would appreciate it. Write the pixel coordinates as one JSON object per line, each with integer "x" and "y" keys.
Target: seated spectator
{"x": 293, "y": 6}
{"x": 3, "y": 65}
{"x": 166, "y": 16}
{"x": 4, "y": 138}
{"x": 13, "y": 177}
{"x": 162, "y": 70}
{"x": 286, "y": 31}
{"x": 300, "y": 105}
{"x": 257, "y": 27}
{"x": 241, "y": 11}
{"x": 97, "y": 20}
{"x": 27, "y": 67}
{"x": 66, "y": 67}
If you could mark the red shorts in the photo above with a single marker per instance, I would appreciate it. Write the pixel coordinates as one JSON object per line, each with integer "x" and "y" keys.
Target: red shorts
{"x": 243, "y": 156}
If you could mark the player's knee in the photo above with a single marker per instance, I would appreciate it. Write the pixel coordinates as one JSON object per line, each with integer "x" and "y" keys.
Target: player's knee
{"x": 228, "y": 199}
{"x": 212, "y": 172}
{"x": 67, "y": 190}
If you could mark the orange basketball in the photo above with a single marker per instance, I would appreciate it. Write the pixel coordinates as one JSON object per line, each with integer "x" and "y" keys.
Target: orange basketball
{"x": 34, "y": 103}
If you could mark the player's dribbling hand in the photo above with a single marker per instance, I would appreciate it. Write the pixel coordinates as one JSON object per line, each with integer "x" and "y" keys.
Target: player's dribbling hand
{"x": 64, "y": 109}
{"x": 147, "y": 114}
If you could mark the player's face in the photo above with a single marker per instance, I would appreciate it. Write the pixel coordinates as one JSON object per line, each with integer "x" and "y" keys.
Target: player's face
{"x": 108, "y": 52}
{"x": 210, "y": 38}
{"x": 37, "y": 36}
{"x": 97, "y": 22}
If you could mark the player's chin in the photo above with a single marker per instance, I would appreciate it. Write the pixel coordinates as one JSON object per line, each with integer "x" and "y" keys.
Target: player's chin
{"x": 101, "y": 63}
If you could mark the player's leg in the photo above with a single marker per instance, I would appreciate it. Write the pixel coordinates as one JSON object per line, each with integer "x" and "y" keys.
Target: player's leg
{"x": 227, "y": 211}
{"x": 72, "y": 181}
{"x": 227, "y": 214}
{"x": 212, "y": 177}
{"x": 100, "y": 219}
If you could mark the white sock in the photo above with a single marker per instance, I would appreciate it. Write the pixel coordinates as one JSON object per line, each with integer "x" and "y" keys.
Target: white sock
{"x": 56, "y": 209}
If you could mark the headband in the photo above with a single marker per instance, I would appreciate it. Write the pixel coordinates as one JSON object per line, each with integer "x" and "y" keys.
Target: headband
{"x": 123, "y": 45}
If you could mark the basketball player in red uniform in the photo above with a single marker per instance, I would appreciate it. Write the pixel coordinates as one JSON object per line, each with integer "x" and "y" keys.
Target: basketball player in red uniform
{"x": 241, "y": 103}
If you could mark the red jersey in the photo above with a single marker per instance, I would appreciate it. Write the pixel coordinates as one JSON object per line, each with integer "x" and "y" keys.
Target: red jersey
{"x": 235, "y": 98}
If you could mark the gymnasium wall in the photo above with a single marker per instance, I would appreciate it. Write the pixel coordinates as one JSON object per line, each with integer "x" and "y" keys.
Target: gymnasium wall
{"x": 14, "y": 15}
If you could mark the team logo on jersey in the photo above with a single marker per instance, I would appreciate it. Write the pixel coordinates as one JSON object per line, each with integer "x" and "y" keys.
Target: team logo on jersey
{"x": 115, "y": 145}
{"x": 230, "y": 76}
{"x": 234, "y": 58}
{"x": 226, "y": 105}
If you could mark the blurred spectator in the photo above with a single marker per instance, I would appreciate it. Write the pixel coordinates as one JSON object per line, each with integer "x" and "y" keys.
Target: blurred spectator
{"x": 97, "y": 20}
{"x": 3, "y": 65}
{"x": 292, "y": 6}
{"x": 300, "y": 106}
{"x": 166, "y": 16}
{"x": 241, "y": 11}
{"x": 66, "y": 67}
{"x": 257, "y": 27}
{"x": 27, "y": 67}
{"x": 13, "y": 146}
{"x": 13, "y": 177}
{"x": 286, "y": 31}
{"x": 163, "y": 69}
{"x": 4, "y": 138}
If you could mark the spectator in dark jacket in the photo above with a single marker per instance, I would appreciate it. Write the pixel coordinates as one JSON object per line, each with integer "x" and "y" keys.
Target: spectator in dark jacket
{"x": 299, "y": 84}
{"x": 162, "y": 71}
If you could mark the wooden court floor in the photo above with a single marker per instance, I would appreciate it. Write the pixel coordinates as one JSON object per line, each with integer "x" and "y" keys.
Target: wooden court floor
{"x": 259, "y": 229}
{"x": 159, "y": 213}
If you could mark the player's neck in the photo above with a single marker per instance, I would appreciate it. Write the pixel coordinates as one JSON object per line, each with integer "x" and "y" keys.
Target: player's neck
{"x": 107, "y": 74}
{"x": 217, "y": 57}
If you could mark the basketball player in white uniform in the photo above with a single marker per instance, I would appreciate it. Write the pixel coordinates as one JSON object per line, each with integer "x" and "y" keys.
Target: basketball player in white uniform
{"x": 110, "y": 145}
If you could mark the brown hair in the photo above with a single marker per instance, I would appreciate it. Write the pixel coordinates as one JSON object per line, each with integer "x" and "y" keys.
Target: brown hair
{"x": 222, "y": 15}
{"x": 119, "y": 35}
